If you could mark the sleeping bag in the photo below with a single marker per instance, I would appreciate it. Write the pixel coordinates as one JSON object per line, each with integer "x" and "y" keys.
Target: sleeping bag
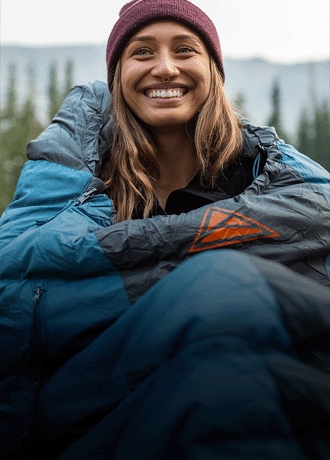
{"x": 198, "y": 335}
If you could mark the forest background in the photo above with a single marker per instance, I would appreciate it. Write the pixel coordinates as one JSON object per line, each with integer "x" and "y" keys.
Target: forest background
{"x": 34, "y": 81}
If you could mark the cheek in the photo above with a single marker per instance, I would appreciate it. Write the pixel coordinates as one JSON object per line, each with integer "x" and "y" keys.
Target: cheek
{"x": 205, "y": 84}
{"x": 130, "y": 76}
{"x": 203, "y": 75}
{"x": 126, "y": 87}
{"x": 130, "y": 98}
{"x": 127, "y": 71}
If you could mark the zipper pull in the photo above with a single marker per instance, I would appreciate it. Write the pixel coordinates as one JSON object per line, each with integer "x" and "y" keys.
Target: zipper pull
{"x": 87, "y": 195}
{"x": 38, "y": 294}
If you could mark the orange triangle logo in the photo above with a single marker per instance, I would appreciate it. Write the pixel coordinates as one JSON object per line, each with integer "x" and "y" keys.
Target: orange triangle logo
{"x": 222, "y": 227}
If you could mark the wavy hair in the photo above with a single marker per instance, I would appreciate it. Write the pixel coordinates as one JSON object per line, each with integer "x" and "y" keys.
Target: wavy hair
{"x": 132, "y": 166}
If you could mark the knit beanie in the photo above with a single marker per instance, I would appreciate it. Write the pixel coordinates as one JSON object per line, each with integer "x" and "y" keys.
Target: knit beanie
{"x": 138, "y": 13}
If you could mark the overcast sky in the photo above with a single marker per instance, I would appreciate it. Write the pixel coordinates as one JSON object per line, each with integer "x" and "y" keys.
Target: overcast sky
{"x": 278, "y": 30}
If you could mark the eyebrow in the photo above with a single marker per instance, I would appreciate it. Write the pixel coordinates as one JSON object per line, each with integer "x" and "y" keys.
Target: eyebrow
{"x": 141, "y": 38}
{"x": 145, "y": 38}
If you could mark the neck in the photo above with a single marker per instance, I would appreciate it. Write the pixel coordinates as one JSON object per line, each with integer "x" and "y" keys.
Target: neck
{"x": 177, "y": 163}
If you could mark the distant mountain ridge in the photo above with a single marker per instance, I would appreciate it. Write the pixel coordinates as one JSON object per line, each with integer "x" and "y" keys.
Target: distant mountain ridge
{"x": 251, "y": 78}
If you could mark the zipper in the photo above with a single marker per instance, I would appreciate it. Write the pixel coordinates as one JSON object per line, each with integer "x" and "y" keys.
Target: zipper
{"x": 27, "y": 344}
{"x": 37, "y": 295}
{"x": 87, "y": 196}
{"x": 78, "y": 201}
{"x": 32, "y": 347}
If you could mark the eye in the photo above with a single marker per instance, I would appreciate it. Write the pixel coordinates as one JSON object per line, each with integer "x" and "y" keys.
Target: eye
{"x": 185, "y": 50}
{"x": 142, "y": 52}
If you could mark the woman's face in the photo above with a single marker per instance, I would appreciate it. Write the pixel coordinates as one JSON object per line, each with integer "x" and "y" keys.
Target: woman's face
{"x": 165, "y": 50}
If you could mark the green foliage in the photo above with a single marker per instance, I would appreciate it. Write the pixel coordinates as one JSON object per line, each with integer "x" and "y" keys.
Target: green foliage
{"x": 19, "y": 124}
{"x": 313, "y": 131}
{"x": 55, "y": 93}
{"x": 11, "y": 99}
{"x": 68, "y": 84}
{"x": 275, "y": 118}
{"x": 54, "y": 96}
{"x": 18, "y": 127}
{"x": 313, "y": 136}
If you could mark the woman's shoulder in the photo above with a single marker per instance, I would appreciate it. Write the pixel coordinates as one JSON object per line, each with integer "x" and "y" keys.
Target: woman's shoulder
{"x": 265, "y": 141}
{"x": 73, "y": 137}
{"x": 96, "y": 95}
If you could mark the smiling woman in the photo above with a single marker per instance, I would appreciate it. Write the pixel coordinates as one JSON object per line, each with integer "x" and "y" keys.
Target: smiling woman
{"x": 151, "y": 50}
{"x": 165, "y": 80}
{"x": 161, "y": 58}
{"x": 165, "y": 268}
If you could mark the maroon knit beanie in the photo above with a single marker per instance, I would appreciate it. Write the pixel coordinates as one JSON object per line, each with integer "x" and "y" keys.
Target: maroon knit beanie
{"x": 138, "y": 13}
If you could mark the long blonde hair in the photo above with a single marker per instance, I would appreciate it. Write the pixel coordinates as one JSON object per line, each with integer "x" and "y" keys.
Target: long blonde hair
{"x": 132, "y": 166}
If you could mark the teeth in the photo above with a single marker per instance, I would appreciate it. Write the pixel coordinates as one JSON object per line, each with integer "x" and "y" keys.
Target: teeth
{"x": 165, "y": 94}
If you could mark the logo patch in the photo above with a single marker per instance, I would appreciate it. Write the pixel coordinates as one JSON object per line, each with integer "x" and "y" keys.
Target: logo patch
{"x": 222, "y": 227}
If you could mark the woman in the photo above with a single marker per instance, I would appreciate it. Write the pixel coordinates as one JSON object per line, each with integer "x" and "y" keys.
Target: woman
{"x": 189, "y": 119}
{"x": 118, "y": 341}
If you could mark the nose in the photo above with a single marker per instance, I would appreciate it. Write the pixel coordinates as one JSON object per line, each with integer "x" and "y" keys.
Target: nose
{"x": 165, "y": 66}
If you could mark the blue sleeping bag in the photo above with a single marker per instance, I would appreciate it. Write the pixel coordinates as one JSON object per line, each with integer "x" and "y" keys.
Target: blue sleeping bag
{"x": 203, "y": 335}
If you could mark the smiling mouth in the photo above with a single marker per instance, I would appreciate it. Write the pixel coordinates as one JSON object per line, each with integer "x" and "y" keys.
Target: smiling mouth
{"x": 165, "y": 94}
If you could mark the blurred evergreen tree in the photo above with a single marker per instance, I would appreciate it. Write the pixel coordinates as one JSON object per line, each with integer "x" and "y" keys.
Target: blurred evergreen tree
{"x": 322, "y": 134}
{"x": 68, "y": 84}
{"x": 19, "y": 125}
{"x": 305, "y": 133}
{"x": 275, "y": 119}
{"x": 54, "y": 94}
{"x": 313, "y": 134}
{"x": 8, "y": 129}
{"x": 10, "y": 108}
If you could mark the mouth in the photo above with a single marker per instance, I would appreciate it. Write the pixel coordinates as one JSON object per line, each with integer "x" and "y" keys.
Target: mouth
{"x": 165, "y": 93}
